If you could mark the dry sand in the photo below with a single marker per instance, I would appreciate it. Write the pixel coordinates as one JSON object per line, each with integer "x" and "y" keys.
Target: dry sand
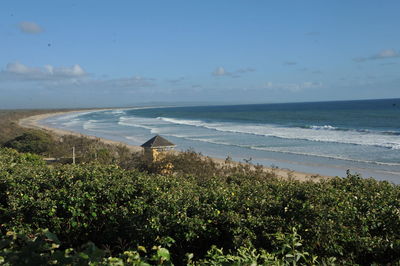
{"x": 33, "y": 122}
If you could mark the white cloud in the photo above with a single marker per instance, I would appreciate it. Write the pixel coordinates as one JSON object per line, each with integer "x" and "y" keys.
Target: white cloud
{"x": 52, "y": 77}
{"x": 30, "y": 27}
{"x": 293, "y": 87}
{"x": 388, "y": 53}
{"x": 105, "y": 85}
{"x": 290, "y": 63}
{"x": 220, "y": 71}
{"x": 74, "y": 71}
{"x": 384, "y": 54}
{"x": 19, "y": 68}
{"x": 19, "y": 71}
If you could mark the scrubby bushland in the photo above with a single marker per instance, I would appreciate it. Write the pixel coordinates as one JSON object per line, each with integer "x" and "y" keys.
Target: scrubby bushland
{"x": 352, "y": 219}
{"x": 43, "y": 143}
{"x": 43, "y": 248}
{"x": 31, "y": 141}
{"x": 9, "y": 128}
{"x": 191, "y": 163}
{"x": 91, "y": 150}
{"x": 86, "y": 149}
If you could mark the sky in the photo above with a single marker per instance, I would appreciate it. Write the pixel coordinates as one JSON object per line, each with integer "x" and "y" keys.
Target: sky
{"x": 57, "y": 54}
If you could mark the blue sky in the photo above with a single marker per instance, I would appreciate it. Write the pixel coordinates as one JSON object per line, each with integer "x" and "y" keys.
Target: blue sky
{"x": 122, "y": 53}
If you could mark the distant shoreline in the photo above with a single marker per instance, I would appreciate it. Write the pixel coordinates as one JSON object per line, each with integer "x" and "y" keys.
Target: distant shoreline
{"x": 33, "y": 123}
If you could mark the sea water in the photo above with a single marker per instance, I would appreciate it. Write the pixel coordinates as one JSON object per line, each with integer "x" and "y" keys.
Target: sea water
{"x": 327, "y": 138}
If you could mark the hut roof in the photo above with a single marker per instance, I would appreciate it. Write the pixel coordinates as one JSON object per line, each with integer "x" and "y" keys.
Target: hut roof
{"x": 156, "y": 142}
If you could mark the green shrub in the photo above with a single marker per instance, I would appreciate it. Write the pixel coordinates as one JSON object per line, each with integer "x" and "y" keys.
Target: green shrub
{"x": 32, "y": 141}
{"x": 43, "y": 248}
{"x": 352, "y": 219}
{"x": 191, "y": 163}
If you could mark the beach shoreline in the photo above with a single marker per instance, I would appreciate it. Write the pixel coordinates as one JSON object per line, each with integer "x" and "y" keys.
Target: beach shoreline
{"x": 33, "y": 122}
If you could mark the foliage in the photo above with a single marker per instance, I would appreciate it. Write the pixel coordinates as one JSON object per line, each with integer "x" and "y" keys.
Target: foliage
{"x": 43, "y": 248}
{"x": 91, "y": 150}
{"x": 9, "y": 127}
{"x": 40, "y": 142}
{"x": 191, "y": 163}
{"x": 31, "y": 141}
{"x": 352, "y": 219}
{"x": 290, "y": 253}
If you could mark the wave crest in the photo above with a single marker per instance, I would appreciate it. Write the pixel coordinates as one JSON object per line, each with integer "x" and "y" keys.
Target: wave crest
{"x": 330, "y": 133}
{"x": 325, "y": 127}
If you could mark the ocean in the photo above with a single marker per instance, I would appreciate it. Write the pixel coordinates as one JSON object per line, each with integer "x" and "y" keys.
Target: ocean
{"x": 326, "y": 138}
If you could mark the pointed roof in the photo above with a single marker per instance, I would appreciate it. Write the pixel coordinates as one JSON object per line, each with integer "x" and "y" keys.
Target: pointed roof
{"x": 156, "y": 142}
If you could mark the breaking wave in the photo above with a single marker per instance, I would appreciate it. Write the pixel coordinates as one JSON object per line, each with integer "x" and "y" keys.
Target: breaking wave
{"x": 315, "y": 133}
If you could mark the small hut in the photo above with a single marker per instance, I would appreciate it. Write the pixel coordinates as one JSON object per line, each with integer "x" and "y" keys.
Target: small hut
{"x": 156, "y": 146}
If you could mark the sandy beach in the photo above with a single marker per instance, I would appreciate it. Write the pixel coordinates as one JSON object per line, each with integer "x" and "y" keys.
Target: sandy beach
{"x": 33, "y": 123}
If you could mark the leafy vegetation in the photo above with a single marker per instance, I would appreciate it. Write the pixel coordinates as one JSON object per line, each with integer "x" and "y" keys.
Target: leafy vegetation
{"x": 34, "y": 141}
{"x": 43, "y": 143}
{"x": 193, "y": 216}
{"x": 191, "y": 163}
{"x": 9, "y": 127}
{"x": 43, "y": 248}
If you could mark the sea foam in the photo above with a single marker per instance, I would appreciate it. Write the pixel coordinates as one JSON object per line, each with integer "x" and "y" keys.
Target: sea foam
{"x": 323, "y": 134}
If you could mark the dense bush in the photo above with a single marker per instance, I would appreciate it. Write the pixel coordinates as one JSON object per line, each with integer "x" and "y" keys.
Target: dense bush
{"x": 191, "y": 163}
{"x": 91, "y": 149}
{"x": 43, "y": 248}
{"x": 9, "y": 127}
{"x": 352, "y": 219}
{"x": 43, "y": 143}
{"x": 32, "y": 141}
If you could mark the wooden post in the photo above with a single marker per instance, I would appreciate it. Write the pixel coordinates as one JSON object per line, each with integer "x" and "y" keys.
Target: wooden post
{"x": 73, "y": 155}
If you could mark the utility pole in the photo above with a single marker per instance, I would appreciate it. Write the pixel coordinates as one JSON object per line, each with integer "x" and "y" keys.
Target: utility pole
{"x": 73, "y": 155}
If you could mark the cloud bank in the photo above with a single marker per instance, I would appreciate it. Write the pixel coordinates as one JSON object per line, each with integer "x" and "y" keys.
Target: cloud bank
{"x": 384, "y": 54}
{"x": 293, "y": 87}
{"x": 220, "y": 72}
{"x": 64, "y": 77}
{"x": 19, "y": 71}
